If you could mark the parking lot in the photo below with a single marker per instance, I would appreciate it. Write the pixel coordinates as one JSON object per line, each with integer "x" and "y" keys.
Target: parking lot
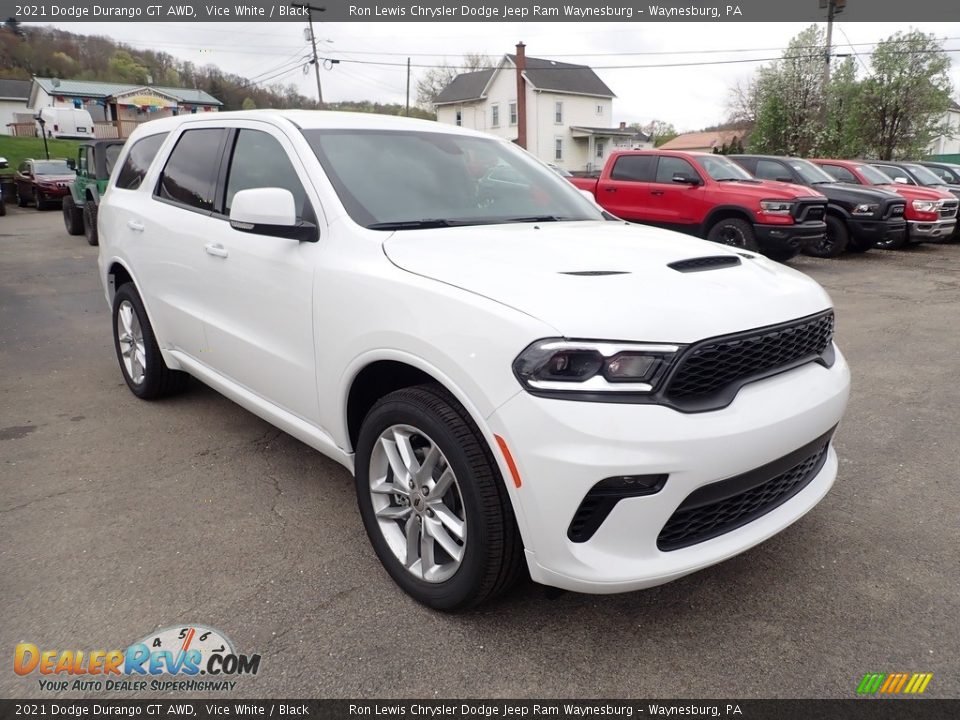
{"x": 120, "y": 517}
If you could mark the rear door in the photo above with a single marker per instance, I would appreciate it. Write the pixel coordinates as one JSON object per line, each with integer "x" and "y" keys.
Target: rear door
{"x": 626, "y": 192}
{"x": 259, "y": 300}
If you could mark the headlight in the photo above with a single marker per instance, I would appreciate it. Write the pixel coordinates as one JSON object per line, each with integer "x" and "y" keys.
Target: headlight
{"x": 926, "y": 205}
{"x": 865, "y": 209}
{"x": 556, "y": 365}
{"x": 776, "y": 207}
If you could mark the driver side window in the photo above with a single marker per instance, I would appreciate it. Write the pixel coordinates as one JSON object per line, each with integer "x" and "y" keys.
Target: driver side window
{"x": 258, "y": 161}
{"x": 771, "y": 170}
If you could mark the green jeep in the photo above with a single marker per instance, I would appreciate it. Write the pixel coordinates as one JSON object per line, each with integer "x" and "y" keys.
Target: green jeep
{"x": 95, "y": 161}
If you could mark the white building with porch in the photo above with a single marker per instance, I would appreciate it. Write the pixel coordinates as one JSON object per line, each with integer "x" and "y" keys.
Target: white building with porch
{"x": 558, "y": 111}
{"x": 117, "y": 108}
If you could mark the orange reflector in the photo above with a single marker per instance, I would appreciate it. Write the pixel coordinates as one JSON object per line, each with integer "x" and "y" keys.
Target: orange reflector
{"x": 509, "y": 458}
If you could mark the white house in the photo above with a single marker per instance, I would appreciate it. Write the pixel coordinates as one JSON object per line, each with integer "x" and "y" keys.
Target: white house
{"x": 117, "y": 108}
{"x": 949, "y": 142}
{"x": 13, "y": 102}
{"x": 559, "y": 112}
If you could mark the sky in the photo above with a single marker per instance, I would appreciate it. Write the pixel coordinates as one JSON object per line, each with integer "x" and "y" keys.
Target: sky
{"x": 373, "y": 55}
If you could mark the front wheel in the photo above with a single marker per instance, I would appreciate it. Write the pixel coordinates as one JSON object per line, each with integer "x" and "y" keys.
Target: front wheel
{"x": 141, "y": 362}
{"x": 433, "y": 501}
{"x": 72, "y": 217}
{"x": 834, "y": 240}
{"x": 90, "y": 222}
{"x": 735, "y": 233}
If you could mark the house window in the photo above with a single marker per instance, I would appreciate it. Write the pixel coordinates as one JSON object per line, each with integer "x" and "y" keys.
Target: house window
{"x": 495, "y": 116}
{"x": 599, "y": 109}
{"x": 558, "y": 113}
{"x": 459, "y": 118}
{"x": 513, "y": 113}
{"x": 558, "y": 149}
{"x": 600, "y": 149}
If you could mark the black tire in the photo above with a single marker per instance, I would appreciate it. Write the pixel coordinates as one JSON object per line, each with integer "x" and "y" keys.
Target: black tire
{"x": 834, "y": 241}
{"x": 3, "y": 208}
{"x": 158, "y": 380}
{"x": 781, "y": 253}
{"x": 734, "y": 232}
{"x": 493, "y": 554}
{"x": 894, "y": 243}
{"x": 21, "y": 200}
{"x": 72, "y": 216}
{"x": 90, "y": 222}
{"x": 40, "y": 203}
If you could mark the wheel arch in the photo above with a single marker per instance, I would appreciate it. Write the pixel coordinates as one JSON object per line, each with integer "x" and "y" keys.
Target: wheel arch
{"x": 725, "y": 212}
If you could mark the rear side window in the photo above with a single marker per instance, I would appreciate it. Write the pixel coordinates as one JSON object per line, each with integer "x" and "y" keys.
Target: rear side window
{"x": 636, "y": 168}
{"x": 189, "y": 177}
{"x": 259, "y": 160}
{"x": 840, "y": 174}
{"x": 771, "y": 170}
{"x": 138, "y": 161}
{"x": 670, "y": 166}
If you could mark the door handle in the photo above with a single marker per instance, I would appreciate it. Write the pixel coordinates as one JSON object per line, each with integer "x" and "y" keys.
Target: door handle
{"x": 216, "y": 249}
{"x": 656, "y": 192}
{"x": 610, "y": 189}
{"x": 135, "y": 225}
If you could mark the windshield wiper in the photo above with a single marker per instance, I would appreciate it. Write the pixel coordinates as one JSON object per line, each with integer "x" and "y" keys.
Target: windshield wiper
{"x": 412, "y": 224}
{"x": 823, "y": 182}
{"x": 746, "y": 180}
{"x": 535, "y": 218}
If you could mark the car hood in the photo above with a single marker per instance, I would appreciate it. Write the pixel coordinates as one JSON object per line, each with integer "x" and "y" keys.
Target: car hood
{"x": 560, "y": 274}
{"x": 771, "y": 190}
{"x": 855, "y": 193}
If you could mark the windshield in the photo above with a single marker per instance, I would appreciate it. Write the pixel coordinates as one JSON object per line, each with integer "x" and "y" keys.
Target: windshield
{"x": 923, "y": 175}
{"x": 51, "y": 167}
{"x": 112, "y": 153}
{"x": 874, "y": 176}
{"x": 397, "y": 180}
{"x": 720, "y": 168}
{"x": 810, "y": 173}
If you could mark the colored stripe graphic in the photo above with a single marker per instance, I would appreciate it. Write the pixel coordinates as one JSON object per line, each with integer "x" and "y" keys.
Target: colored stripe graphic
{"x": 894, "y": 683}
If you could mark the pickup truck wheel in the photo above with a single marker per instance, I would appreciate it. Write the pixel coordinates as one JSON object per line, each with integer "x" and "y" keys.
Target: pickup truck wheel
{"x": 834, "y": 241}
{"x": 72, "y": 217}
{"x": 41, "y": 204}
{"x": 90, "y": 222}
{"x": 433, "y": 501}
{"x": 141, "y": 362}
{"x": 735, "y": 233}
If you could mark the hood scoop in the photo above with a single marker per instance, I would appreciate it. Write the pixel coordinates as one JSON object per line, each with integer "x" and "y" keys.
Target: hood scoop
{"x": 594, "y": 273}
{"x": 701, "y": 264}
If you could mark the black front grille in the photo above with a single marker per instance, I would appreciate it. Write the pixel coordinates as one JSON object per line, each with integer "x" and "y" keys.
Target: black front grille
{"x": 894, "y": 210}
{"x": 699, "y": 264}
{"x": 720, "y": 366}
{"x": 948, "y": 209}
{"x": 807, "y": 211}
{"x": 720, "y": 507}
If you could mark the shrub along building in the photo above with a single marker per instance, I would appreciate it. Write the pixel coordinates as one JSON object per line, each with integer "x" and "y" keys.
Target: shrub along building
{"x": 558, "y": 111}
{"x": 117, "y": 108}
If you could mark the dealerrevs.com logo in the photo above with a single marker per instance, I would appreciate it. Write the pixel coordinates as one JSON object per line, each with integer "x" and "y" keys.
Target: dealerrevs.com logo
{"x": 185, "y": 653}
{"x": 894, "y": 683}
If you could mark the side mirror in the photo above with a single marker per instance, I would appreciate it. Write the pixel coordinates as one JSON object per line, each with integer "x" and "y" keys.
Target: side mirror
{"x": 270, "y": 211}
{"x": 901, "y": 180}
{"x": 685, "y": 179}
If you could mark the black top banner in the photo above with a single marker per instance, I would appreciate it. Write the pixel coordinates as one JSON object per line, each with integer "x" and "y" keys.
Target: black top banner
{"x": 480, "y": 11}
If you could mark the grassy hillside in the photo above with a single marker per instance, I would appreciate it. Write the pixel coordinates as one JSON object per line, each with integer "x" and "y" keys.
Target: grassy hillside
{"x": 17, "y": 149}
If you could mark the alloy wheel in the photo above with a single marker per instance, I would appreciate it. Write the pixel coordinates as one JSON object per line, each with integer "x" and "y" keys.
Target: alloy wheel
{"x": 132, "y": 348}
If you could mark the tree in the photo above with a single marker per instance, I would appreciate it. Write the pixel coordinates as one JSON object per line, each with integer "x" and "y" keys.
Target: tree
{"x": 249, "y": 104}
{"x": 123, "y": 67}
{"x": 435, "y": 79}
{"x": 906, "y": 96}
{"x": 843, "y": 135}
{"x": 660, "y": 132}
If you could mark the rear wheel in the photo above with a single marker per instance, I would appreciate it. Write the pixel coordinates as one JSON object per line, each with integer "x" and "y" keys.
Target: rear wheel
{"x": 90, "y": 222}
{"x": 433, "y": 501}
{"x": 72, "y": 216}
{"x": 735, "y": 233}
{"x": 141, "y": 362}
{"x": 834, "y": 241}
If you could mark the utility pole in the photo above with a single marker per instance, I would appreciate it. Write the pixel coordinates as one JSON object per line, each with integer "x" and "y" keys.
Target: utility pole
{"x": 313, "y": 44}
{"x": 833, "y": 8}
{"x": 408, "y": 87}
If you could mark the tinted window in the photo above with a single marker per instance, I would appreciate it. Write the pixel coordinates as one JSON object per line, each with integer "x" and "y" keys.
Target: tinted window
{"x": 771, "y": 170}
{"x": 138, "y": 161}
{"x": 260, "y": 161}
{"x": 873, "y": 175}
{"x": 670, "y": 166}
{"x": 638, "y": 168}
{"x": 720, "y": 168}
{"x": 190, "y": 174}
{"x": 112, "y": 153}
{"x": 896, "y": 173}
{"x": 840, "y": 174}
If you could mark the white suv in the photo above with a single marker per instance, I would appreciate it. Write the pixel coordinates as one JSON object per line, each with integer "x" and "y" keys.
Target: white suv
{"x": 515, "y": 378}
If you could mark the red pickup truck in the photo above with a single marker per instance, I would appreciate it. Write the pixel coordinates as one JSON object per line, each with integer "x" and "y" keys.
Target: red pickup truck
{"x": 711, "y": 197}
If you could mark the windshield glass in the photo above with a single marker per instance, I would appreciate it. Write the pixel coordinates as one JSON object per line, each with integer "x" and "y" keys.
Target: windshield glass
{"x": 396, "y": 180}
{"x": 809, "y": 172}
{"x": 112, "y": 153}
{"x": 51, "y": 167}
{"x": 721, "y": 168}
{"x": 874, "y": 176}
{"x": 923, "y": 175}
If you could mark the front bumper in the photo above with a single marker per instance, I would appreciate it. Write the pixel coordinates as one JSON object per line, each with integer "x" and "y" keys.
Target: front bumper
{"x": 797, "y": 236}
{"x": 923, "y": 231}
{"x": 51, "y": 192}
{"x": 874, "y": 231}
{"x": 563, "y": 448}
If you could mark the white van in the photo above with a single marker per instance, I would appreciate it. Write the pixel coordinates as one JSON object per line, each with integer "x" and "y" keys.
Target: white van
{"x": 60, "y": 122}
